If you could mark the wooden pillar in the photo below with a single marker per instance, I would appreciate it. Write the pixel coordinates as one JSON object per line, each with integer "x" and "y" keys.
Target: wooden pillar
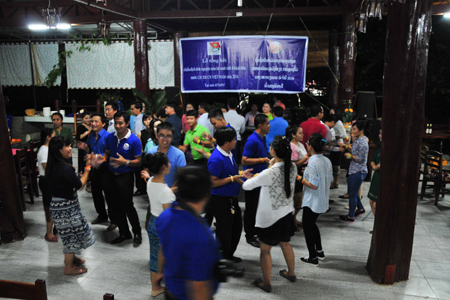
{"x": 333, "y": 60}
{"x": 409, "y": 28}
{"x": 11, "y": 214}
{"x": 176, "y": 55}
{"x": 347, "y": 60}
{"x": 141, "y": 56}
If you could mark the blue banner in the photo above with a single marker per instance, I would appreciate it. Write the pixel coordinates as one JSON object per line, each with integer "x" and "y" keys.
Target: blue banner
{"x": 260, "y": 64}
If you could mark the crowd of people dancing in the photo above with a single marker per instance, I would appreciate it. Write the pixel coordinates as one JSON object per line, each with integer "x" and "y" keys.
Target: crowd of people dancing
{"x": 193, "y": 168}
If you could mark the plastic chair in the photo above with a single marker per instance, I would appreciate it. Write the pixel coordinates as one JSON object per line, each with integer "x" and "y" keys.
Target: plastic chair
{"x": 433, "y": 167}
{"x": 23, "y": 290}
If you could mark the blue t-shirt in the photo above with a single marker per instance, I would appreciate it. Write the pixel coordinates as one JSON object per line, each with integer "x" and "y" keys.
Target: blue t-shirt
{"x": 220, "y": 166}
{"x": 96, "y": 144}
{"x": 277, "y": 127}
{"x": 132, "y": 122}
{"x": 176, "y": 122}
{"x": 177, "y": 160}
{"x": 256, "y": 147}
{"x": 190, "y": 250}
{"x": 129, "y": 147}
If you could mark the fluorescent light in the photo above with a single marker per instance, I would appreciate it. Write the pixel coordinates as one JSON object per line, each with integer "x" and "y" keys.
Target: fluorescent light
{"x": 63, "y": 26}
{"x": 37, "y": 27}
{"x": 447, "y": 15}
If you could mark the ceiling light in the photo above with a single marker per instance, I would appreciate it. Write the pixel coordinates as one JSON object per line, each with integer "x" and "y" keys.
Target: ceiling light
{"x": 63, "y": 26}
{"x": 447, "y": 15}
{"x": 37, "y": 27}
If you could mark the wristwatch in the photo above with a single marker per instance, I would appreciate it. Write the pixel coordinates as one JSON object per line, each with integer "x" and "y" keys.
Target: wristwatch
{"x": 128, "y": 163}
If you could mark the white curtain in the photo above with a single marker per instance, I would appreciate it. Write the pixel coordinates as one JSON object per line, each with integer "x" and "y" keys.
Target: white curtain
{"x": 161, "y": 64}
{"x": 45, "y": 56}
{"x": 15, "y": 68}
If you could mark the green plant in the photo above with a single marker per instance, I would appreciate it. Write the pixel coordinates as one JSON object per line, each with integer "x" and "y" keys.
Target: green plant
{"x": 57, "y": 69}
{"x": 153, "y": 105}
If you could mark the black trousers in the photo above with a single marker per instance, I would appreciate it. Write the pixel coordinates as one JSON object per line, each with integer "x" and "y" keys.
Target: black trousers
{"x": 251, "y": 205}
{"x": 140, "y": 182}
{"x": 228, "y": 225}
{"x": 121, "y": 188}
{"x": 311, "y": 231}
{"x": 98, "y": 179}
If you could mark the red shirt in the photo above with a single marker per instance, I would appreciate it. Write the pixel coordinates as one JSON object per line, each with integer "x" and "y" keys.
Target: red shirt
{"x": 312, "y": 126}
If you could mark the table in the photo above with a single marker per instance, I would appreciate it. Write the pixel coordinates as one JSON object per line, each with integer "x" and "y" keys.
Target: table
{"x": 439, "y": 135}
{"x": 38, "y": 119}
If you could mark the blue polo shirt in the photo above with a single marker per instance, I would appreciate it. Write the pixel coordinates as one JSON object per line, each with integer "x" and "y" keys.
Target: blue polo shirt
{"x": 255, "y": 147}
{"x": 129, "y": 147}
{"x": 221, "y": 166}
{"x": 177, "y": 160}
{"x": 277, "y": 127}
{"x": 96, "y": 144}
{"x": 180, "y": 230}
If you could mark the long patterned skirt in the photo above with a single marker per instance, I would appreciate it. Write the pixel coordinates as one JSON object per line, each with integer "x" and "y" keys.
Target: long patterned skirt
{"x": 74, "y": 230}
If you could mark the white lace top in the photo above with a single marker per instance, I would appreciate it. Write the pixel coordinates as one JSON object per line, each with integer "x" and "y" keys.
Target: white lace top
{"x": 273, "y": 204}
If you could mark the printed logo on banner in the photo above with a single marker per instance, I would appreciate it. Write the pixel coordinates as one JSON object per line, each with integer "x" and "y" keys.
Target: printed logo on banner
{"x": 274, "y": 47}
{"x": 214, "y": 48}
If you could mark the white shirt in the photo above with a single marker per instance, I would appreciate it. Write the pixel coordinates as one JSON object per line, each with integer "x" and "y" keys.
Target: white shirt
{"x": 42, "y": 156}
{"x": 159, "y": 194}
{"x": 237, "y": 122}
{"x": 138, "y": 124}
{"x": 340, "y": 131}
{"x": 111, "y": 128}
{"x": 204, "y": 121}
{"x": 273, "y": 204}
{"x": 319, "y": 172}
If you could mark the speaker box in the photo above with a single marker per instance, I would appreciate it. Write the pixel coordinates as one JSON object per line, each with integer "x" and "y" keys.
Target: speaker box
{"x": 365, "y": 105}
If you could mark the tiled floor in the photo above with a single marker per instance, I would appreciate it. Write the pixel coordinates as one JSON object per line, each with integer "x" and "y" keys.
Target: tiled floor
{"x": 124, "y": 270}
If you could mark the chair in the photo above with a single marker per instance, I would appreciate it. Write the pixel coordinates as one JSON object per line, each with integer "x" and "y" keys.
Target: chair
{"x": 32, "y": 155}
{"x": 434, "y": 173}
{"x": 23, "y": 290}
{"x": 23, "y": 173}
{"x": 423, "y": 154}
{"x": 108, "y": 296}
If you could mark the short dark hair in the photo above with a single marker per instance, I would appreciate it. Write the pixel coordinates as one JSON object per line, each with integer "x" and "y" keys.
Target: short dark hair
{"x": 154, "y": 162}
{"x": 224, "y": 134}
{"x": 113, "y": 105}
{"x": 58, "y": 114}
{"x": 45, "y": 132}
{"x": 337, "y": 113}
{"x": 316, "y": 109}
{"x": 171, "y": 104}
{"x": 316, "y": 140}
{"x": 330, "y": 118}
{"x": 205, "y": 106}
{"x": 194, "y": 184}
{"x": 166, "y": 126}
{"x": 216, "y": 113}
{"x": 278, "y": 111}
{"x": 260, "y": 119}
{"x": 232, "y": 103}
{"x": 192, "y": 113}
{"x": 137, "y": 105}
{"x": 102, "y": 117}
{"x": 124, "y": 114}
{"x": 84, "y": 114}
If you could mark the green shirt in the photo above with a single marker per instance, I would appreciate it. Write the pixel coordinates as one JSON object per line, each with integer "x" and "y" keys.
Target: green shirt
{"x": 189, "y": 140}
{"x": 66, "y": 132}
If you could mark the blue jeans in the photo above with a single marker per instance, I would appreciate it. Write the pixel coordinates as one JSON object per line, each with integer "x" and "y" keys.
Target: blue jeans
{"x": 354, "y": 184}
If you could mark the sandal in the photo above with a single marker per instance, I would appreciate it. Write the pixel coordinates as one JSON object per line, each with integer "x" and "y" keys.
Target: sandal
{"x": 78, "y": 261}
{"x": 259, "y": 284}
{"x": 284, "y": 273}
{"x": 334, "y": 186}
{"x": 346, "y": 196}
{"x": 157, "y": 293}
{"x": 75, "y": 271}
{"x": 54, "y": 239}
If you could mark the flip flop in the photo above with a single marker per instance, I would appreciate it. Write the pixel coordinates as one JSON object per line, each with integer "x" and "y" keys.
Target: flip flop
{"x": 344, "y": 197}
{"x": 334, "y": 186}
{"x": 284, "y": 273}
{"x": 259, "y": 284}
{"x": 75, "y": 271}
{"x": 52, "y": 240}
{"x": 78, "y": 261}
{"x": 157, "y": 293}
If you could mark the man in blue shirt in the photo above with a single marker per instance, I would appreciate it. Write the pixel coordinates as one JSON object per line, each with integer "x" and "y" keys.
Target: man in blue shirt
{"x": 96, "y": 148}
{"x": 188, "y": 247}
{"x": 111, "y": 108}
{"x": 123, "y": 150}
{"x": 277, "y": 126}
{"x": 218, "y": 121}
{"x": 226, "y": 181}
{"x": 255, "y": 156}
{"x": 165, "y": 133}
{"x": 175, "y": 121}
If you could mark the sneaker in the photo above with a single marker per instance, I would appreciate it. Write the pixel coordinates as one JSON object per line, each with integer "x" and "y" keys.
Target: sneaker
{"x": 312, "y": 261}
{"x": 320, "y": 255}
{"x": 359, "y": 212}
{"x": 346, "y": 218}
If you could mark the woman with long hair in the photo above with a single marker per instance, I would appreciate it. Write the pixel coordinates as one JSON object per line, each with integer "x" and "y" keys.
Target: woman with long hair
{"x": 83, "y": 131}
{"x": 267, "y": 110}
{"x": 152, "y": 140}
{"x": 144, "y": 134}
{"x": 316, "y": 192}
{"x": 274, "y": 216}
{"x": 65, "y": 209}
{"x": 357, "y": 171}
{"x": 161, "y": 196}
{"x": 42, "y": 156}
